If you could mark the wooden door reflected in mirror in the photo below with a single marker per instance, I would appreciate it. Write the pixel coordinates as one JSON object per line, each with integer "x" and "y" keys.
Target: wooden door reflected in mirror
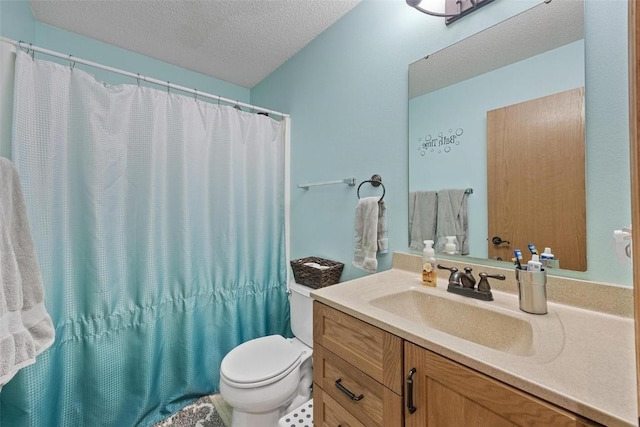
{"x": 536, "y": 171}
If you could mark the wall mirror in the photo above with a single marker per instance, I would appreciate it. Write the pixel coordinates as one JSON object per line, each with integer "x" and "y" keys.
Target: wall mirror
{"x": 455, "y": 96}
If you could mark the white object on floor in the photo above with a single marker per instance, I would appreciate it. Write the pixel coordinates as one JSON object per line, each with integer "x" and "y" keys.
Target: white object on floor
{"x": 264, "y": 378}
{"x": 303, "y": 412}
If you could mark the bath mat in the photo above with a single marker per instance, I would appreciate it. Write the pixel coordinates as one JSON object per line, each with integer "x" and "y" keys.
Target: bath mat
{"x": 201, "y": 413}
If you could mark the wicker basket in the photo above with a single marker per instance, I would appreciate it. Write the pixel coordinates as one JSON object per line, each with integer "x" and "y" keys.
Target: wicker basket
{"x": 316, "y": 278}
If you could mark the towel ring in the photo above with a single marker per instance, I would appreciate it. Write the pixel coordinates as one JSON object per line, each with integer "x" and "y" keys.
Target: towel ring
{"x": 376, "y": 181}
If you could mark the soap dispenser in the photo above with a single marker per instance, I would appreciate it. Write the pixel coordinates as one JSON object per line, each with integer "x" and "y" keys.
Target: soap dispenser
{"x": 429, "y": 270}
{"x": 450, "y": 247}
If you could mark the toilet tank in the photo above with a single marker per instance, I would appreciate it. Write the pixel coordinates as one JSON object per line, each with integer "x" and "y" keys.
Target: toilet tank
{"x": 301, "y": 308}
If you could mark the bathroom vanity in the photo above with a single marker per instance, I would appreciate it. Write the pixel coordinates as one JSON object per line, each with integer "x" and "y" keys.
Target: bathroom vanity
{"x": 390, "y": 352}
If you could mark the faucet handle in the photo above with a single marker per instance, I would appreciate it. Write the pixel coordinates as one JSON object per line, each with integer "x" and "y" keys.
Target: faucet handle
{"x": 468, "y": 281}
{"x": 453, "y": 270}
{"x": 484, "y": 286}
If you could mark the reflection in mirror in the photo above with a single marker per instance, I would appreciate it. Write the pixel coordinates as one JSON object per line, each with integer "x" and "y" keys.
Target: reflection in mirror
{"x": 524, "y": 62}
{"x": 538, "y": 145}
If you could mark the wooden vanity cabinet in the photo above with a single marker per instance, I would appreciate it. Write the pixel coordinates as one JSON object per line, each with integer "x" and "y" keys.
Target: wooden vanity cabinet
{"x": 360, "y": 377}
{"x": 357, "y": 372}
{"x": 446, "y": 393}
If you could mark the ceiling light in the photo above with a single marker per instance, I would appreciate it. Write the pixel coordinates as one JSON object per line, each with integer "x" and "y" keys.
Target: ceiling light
{"x": 454, "y": 9}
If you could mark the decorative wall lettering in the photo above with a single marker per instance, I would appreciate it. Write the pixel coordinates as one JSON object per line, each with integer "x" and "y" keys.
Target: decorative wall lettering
{"x": 440, "y": 144}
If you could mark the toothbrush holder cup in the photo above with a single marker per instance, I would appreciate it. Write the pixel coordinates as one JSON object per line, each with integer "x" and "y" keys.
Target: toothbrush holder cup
{"x": 532, "y": 290}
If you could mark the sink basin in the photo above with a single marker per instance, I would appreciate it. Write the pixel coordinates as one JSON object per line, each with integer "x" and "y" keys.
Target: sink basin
{"x": 482, "y": 326}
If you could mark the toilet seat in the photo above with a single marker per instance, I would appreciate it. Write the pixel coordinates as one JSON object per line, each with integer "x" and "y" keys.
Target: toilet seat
{"x": 260, "y": 362}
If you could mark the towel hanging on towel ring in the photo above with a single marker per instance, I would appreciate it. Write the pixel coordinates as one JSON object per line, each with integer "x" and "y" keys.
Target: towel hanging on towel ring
{"x": 376, "y": 181}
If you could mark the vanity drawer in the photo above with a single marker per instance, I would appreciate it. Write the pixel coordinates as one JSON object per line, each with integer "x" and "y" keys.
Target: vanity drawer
{"x": 375, "y": 352}
{"x": 369, "y": 401}
{"x": 328, "y": 413}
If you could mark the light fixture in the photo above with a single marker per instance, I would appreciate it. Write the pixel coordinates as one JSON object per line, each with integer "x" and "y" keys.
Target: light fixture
{"x": 454, "y": 9}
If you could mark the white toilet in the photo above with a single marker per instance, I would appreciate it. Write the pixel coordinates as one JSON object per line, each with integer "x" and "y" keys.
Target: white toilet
{"x": 264, "y": 378}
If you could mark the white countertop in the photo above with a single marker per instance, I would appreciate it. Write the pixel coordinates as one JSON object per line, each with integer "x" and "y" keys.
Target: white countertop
{"x": 584, "y": 361}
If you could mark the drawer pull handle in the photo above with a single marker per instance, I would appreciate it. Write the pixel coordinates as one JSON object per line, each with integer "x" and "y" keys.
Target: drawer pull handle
{"x": 410, "y": 406}
{"x": 343, "y": 389}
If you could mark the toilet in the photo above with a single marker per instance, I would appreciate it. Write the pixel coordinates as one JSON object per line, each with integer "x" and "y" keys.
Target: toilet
{"x": 265, "y": 378}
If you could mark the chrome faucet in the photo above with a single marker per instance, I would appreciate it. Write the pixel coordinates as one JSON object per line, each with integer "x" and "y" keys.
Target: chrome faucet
{"x": 465, "y": 284}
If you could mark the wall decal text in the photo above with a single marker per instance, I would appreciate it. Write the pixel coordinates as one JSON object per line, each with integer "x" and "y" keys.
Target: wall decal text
{"x": 440, "y": 143}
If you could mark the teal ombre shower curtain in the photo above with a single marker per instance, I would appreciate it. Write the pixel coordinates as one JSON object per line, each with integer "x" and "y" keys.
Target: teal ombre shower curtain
{"x": 159, "y": 225}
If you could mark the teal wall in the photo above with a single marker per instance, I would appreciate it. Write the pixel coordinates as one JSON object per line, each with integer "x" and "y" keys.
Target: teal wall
{"x": 16, "y": 21}
{"x": 347, "y": 94}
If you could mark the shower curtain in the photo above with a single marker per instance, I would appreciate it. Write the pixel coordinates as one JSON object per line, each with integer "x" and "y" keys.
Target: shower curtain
{"x": 159, "y": 225}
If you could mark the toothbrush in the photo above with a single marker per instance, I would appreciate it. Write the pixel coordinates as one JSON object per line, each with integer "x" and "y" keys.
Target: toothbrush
{"x": 532, "y": 249}
{"x": 518, "y": 255}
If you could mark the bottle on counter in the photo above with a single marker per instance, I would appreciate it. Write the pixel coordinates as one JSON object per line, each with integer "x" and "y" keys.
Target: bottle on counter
{"x": 451, "y": 247}
{"x": 429, "y": 269}
{"x": 546, "y": 255}
{"x": 534, "y": 264}
{"x": 549, "y": 260}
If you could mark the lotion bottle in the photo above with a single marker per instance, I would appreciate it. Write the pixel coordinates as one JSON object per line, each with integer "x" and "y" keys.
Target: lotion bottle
{"x": 429, "y": 269}
{"x": 546, "y": 254}
{"x": 548, "y": 260}
{"x": 534, "y": 264}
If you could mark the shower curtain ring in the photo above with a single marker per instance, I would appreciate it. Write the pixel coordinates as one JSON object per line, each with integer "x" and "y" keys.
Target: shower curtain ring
{"x": 72, "y": 63}
{"x": 195, "y": 94}
{"x": 168, "y": 86}
{"x": 26, "y": 49}
{"x": 138, "y": 79}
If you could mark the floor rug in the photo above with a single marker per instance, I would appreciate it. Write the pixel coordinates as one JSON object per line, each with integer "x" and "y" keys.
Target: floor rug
{"x": 203, "y": 412}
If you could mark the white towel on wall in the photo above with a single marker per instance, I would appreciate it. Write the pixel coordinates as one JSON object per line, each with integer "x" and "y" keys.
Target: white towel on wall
{"x": 370, "y": 233}
{"x": 26, "y": 328}
{"x": 452, "y": 220}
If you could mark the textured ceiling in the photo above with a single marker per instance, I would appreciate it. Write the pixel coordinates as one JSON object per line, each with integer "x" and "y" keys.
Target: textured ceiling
{"x": 239, "y": 41}
{"x": 537, "y": 30}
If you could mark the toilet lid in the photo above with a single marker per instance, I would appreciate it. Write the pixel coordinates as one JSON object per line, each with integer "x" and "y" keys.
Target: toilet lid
{"x": 260, "y": 359}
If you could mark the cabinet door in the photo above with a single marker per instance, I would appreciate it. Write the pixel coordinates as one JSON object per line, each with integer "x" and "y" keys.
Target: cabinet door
{"x": 447, "y": 394}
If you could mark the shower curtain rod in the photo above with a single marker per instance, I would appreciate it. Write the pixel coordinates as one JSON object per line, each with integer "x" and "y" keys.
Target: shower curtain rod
{"x": 195, "y": 92}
